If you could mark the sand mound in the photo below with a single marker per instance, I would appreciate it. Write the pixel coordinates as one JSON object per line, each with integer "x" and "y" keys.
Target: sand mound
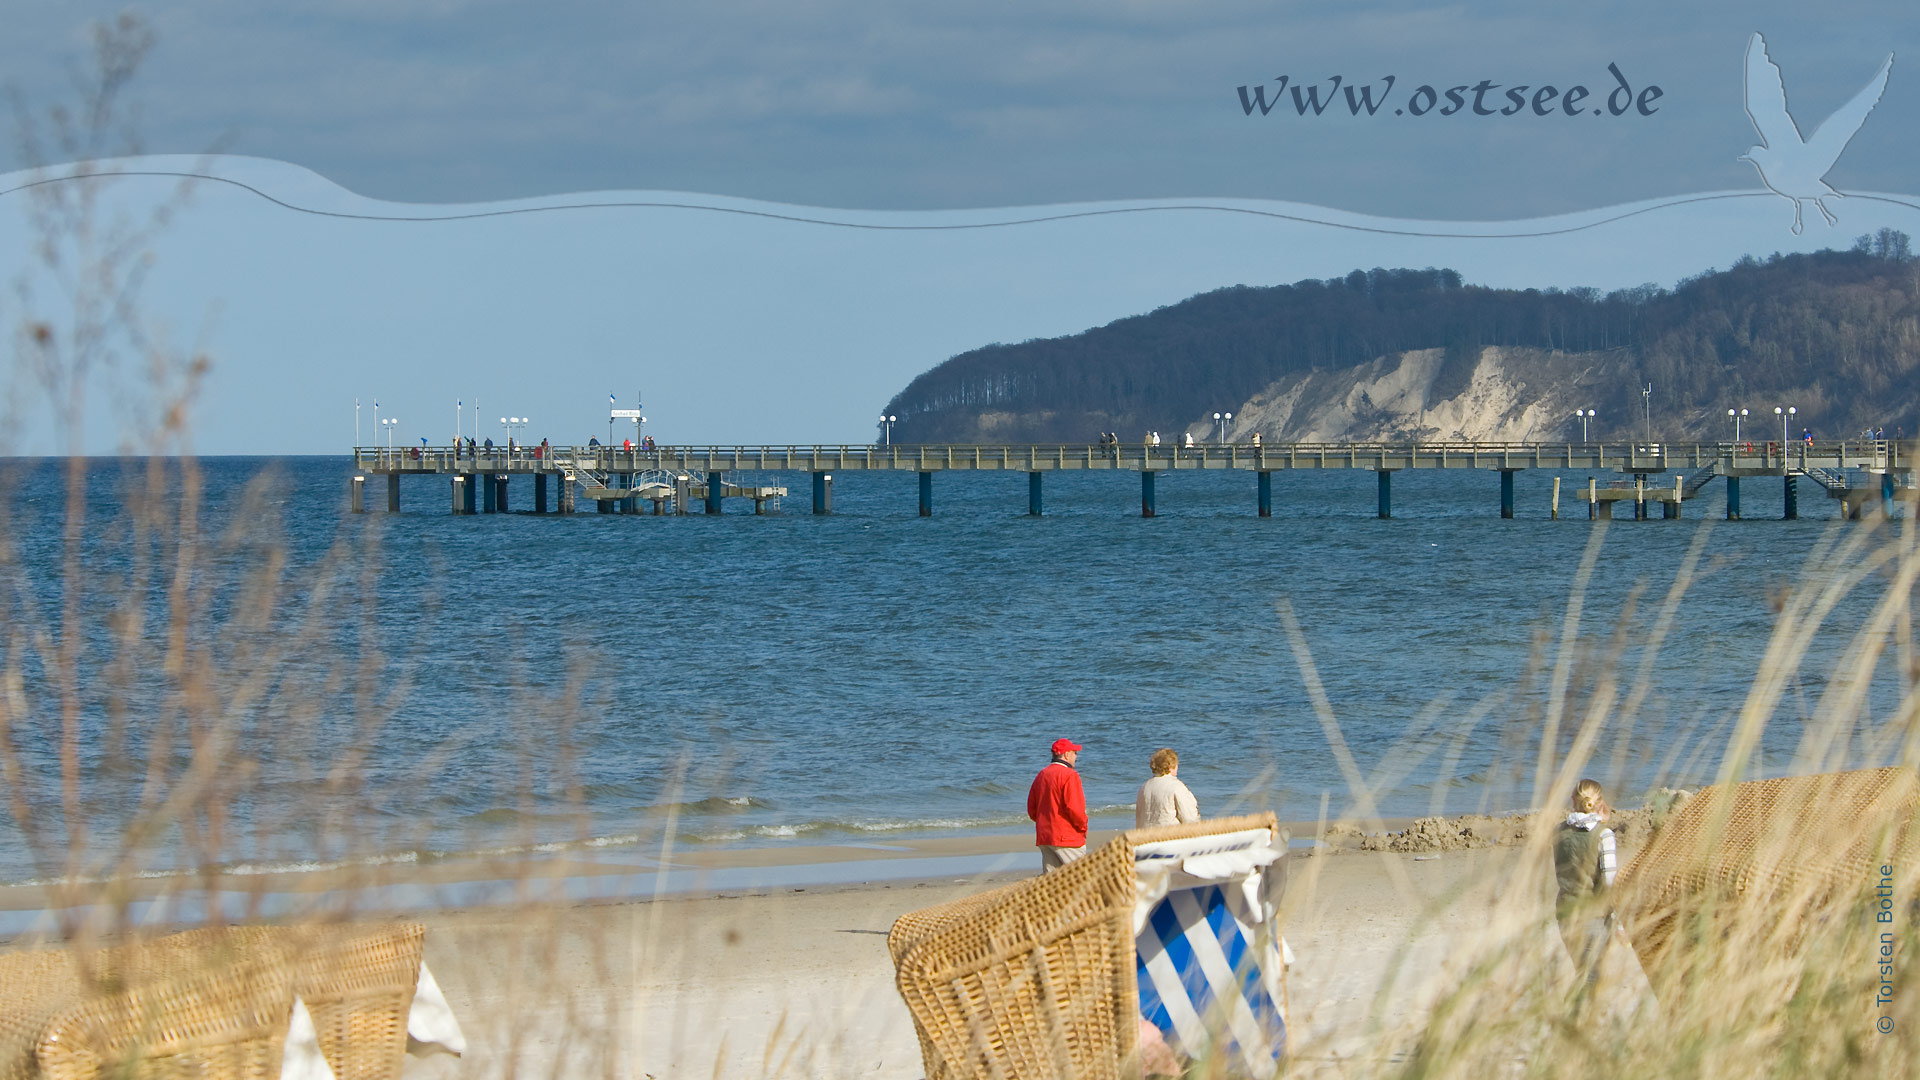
{"x": 1433, "y": 834}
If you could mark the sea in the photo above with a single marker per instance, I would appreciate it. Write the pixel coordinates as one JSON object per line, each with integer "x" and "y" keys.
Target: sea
{"x": 297, "y": 686}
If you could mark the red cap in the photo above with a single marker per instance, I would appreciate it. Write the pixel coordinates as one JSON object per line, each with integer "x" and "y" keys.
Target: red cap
{"x": 1062, "y": 746}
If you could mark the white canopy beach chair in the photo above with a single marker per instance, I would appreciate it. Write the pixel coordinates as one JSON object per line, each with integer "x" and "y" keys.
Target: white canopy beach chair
{"x": 1053, "y": 976}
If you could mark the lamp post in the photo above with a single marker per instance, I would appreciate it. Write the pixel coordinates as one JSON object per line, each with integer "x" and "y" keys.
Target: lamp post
{"x": 1586, "y": 417}
{"x": 1736, "y": 415}
{"x": 1785, "y": 415}
{"x": 1646, "y": 396}
{"x": 886, "y": 428}
{"x": 1226, "y": 427}
{"x": 388, "y": 423}
{"x": 356, "y": 423}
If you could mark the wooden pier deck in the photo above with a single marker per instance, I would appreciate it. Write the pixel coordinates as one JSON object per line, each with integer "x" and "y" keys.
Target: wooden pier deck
{"x": 617, "y": 474}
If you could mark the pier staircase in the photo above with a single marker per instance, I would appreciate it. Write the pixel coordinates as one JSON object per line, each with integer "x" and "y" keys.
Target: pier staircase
{"x": 1696, "y": 480}
{"x": 1833, "y": 480}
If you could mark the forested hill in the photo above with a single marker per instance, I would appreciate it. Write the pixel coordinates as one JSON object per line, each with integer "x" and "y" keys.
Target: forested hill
{"x": 1420, "y": 354}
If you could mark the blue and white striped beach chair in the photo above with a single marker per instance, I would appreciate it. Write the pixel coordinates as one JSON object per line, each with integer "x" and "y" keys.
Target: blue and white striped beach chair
{"x": 1061, "y": 975}
{"x": 1209, "y": 957}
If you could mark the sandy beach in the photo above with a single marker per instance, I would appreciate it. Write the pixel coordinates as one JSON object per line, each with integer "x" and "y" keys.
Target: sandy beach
{"x": 796, "y": 982}
{"x": 787, "y": 977}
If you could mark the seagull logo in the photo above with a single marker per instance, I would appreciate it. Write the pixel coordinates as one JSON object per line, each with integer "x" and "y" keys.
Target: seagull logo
{"x": 1793, "y": 167}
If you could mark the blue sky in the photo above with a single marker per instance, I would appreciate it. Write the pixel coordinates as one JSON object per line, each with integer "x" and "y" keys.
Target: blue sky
{"x": 898, "y": 104}
{"x": 751, "y": 330}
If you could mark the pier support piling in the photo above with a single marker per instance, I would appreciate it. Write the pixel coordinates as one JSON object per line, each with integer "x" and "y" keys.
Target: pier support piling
{"x": 682, "y": 495}
{"x": 630, "y": 504}
{"x": 823, "y": 493}
{"x": 926, "y": 494}
{"x": 1386, "y": 493}
{"x": 1506, "y": 493}
{"x": 1553, "y": 514}
{"x": 357, "y": 495}
{"x": 1146, "y": 492}
{"x": 489, "y": 494}
{"x": 1033, "y": 494}
{"x": 1266, "y": 493}
{"x": 714, "y": 491}
{"x": 566, "y": 495}
{"x": 1733, "y": 498}
{"x": 1886, "y": 493}
{"x": 539, "y": 493}
{"x": 1639, "y": 497}
{"x": 500, "y": 494}
{"x": 459, "y": 495}
{"x": 468, "y": 496}
{"x": 1791, "y": 508}
{"x": 393, "y": 493}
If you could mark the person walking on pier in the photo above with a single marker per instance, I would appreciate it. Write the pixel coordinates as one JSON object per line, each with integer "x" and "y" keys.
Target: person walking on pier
{"x": 1058, "y": 806}
{"x": 1164, "y": 800}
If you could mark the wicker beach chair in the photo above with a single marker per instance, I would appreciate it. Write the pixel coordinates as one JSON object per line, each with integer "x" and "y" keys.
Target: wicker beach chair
{"x": 211, "y": 1003}
{"x": 1040, "y": 978}
{"x": 1776, "y": 851}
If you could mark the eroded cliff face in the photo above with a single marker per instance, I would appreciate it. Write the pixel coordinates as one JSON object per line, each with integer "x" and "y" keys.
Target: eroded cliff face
{"x": 1510, "y": 395}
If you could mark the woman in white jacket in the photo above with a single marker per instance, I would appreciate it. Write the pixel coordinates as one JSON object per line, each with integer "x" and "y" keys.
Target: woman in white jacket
{"x": 1164, "y": 800}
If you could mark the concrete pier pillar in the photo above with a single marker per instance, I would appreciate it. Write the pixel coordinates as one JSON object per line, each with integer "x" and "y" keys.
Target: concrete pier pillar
{"x": 1886, "y": 494}
{"x": 715, "y": 488}
{"x": 1033, "y": 495}
{"x": 489, "y": 494}
{"x": 1669, "y": 510}
{"x": 1266, "y": 493}
{"x": 468, "y": 496}
{"x": 459, "y": 495}
{"x": 566, "y": 495}
{"x": 823, "y": 493}
{"x": 357, "y": 495}
{"x": 1640, "y": 497}
{"x": 500, "y": 494}
{"x": 630, "y": 504}
{"x": 1791, "y": 509}
{"x": 393, "y": 493}
{"x": 1146, "y": 492}
{"x": 682, "y": 495}
{"x": 539, "y": 493}
{"x": 1386, "y": 493}
{"x": 1733, "y": 498}
{"x": 1506, "y": 493}
{"x": 926, "y": 494}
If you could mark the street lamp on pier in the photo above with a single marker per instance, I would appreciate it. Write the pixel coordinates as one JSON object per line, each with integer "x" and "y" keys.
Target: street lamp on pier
{"x": 886, "y": 428}
{"x": 1736, "y": 415}
{"x": 388, "y": 423}
{"x": 1586, "y": 417}
{"x": 1785, "y": 415}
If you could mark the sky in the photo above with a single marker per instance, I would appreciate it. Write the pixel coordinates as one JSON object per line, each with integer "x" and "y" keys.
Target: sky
{"x": 885, "y": 105}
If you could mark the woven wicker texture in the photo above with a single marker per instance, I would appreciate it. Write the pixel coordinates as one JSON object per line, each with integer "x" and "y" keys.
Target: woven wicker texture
{"x": 1775, "y": 850}
{"x": 210, "y": 1003}
{"x": 1034, "y": 979}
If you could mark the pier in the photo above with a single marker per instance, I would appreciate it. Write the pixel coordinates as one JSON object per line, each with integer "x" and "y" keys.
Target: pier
{"x": 672, "y": 479}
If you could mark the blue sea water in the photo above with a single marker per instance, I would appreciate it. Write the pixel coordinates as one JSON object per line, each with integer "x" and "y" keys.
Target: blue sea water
{"x": 433, "y": 683}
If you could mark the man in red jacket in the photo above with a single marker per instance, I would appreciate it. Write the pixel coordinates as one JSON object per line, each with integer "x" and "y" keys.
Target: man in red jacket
{"x": 1058, "y": 807}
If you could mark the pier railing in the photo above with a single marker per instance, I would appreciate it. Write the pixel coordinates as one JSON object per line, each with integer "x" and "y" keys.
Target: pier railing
{"x": 1751, "y": 458}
